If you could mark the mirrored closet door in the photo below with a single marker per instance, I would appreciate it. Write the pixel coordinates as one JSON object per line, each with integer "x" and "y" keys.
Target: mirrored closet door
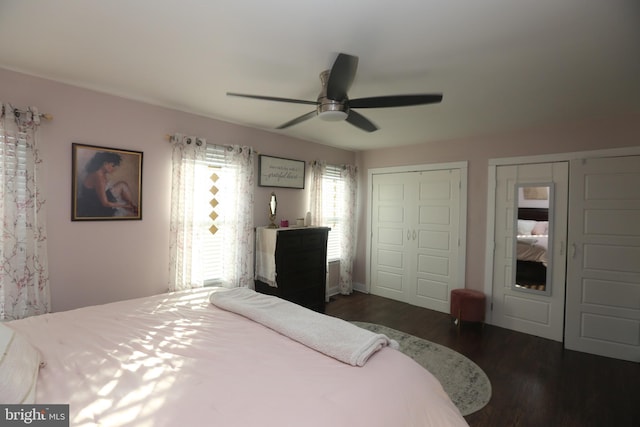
{"x": 529, "y": 264}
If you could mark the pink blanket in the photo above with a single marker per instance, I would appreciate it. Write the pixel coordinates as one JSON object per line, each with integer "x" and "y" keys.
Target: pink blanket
{"x": 177, "y": 360}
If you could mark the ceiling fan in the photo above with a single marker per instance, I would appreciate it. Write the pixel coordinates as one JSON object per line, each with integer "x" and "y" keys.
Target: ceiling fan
{"x": 333, "y": 104}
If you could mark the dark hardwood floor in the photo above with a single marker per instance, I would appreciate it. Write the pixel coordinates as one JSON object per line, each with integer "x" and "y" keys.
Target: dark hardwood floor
{"x": 535, "y": 382}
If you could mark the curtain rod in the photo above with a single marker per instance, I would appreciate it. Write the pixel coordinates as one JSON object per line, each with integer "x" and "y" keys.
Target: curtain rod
{"x": 169, "y": 137}
{"x": 45, "y": 116}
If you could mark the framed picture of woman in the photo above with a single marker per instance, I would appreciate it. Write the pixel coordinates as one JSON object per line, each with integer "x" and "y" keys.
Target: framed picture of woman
{"x": 106, "y": 183}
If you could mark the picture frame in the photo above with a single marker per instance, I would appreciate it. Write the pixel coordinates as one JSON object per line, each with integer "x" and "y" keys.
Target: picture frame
{"x": 535, "y": 193}
{"x": 106, "y": 183}
{"x": 281, "y": 172}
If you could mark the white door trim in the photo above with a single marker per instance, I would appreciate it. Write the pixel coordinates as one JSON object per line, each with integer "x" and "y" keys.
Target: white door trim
{"x": 559, "y": 157}
{"x": 462, "y": 166}
{"x": 490, "y": 243}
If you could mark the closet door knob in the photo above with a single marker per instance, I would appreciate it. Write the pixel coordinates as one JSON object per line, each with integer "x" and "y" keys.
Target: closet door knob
{"x": 408, "y": 234}
{"x": 414, "y": 234}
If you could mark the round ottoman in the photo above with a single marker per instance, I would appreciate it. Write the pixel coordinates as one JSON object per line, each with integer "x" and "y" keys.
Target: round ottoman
{"x": 467, "y": 305}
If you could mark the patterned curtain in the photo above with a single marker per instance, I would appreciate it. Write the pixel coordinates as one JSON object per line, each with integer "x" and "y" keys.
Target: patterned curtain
{"x": 349, "y": 175}
{"x": 185, "y": 237}
{"x": 238, "y": 255}
{"x": 24, "y": 271}
{"x": 318, "y": 169}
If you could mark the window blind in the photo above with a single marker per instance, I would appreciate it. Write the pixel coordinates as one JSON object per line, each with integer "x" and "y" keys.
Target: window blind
{"x": 216, "y": 202}
{"x": 333, "y": 208}
{"x": 13, "y": 161}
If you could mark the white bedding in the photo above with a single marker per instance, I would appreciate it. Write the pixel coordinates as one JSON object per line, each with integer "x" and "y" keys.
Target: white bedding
{"x": 177, "y": 360}
{"x": 533, "y": 248}
{"x": 334, "y": 337}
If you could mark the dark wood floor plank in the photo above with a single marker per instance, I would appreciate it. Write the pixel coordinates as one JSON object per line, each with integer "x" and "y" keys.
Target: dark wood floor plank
{"x": 535, "y": 382}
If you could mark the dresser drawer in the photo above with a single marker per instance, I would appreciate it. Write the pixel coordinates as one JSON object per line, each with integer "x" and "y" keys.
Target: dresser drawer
{"x": 300, "y": 280}
{"x": 301, "y": 239}
{"x": 301, "y": 260}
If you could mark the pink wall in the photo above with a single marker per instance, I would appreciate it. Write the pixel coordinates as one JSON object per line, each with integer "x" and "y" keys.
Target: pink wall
{"x": 567, "y": 138}
{"x": 101, "y": 261}
{"x": 98, "y": 262}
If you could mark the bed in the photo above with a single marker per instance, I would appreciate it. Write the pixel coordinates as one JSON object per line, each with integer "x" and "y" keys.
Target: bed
{"x": 532, "y": 248}
{"x": 177, "y": 359}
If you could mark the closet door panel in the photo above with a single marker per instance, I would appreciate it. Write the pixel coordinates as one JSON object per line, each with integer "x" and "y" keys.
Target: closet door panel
{"x": 603, "y": 269}
{"x": 391, "y": 235}
{"x": 437, "y": 236}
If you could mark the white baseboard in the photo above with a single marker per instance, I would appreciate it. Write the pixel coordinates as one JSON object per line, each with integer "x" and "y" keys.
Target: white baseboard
{"x": 360, "y": 287}
{"x": 335, "y": 290}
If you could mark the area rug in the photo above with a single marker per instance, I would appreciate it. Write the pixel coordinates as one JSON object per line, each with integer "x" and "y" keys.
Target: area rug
{"x": 466, "y": 384}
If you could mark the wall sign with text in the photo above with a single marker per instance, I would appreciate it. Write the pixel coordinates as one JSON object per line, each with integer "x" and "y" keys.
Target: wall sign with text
{"x": 279, "y": 172}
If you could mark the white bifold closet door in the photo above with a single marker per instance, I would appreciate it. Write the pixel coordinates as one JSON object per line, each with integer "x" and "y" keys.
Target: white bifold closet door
{"x": 415, "y": 237}
{"x": 603, "y": 266}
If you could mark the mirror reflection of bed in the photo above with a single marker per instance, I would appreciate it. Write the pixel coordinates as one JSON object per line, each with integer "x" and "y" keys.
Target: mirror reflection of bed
{"x": 532, "y": 253}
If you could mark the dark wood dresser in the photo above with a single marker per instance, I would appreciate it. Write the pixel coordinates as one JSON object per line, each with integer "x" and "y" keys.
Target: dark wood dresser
{"x": 298, "y": 257}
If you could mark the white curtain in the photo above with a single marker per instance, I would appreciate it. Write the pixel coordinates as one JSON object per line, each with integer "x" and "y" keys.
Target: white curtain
{"x": 24, "y": 271}
{"x": 349, "y": 174}
{"x": 238, "y": 256}
{"x": 188, "y": 235}
{"x": 185, "y": 236}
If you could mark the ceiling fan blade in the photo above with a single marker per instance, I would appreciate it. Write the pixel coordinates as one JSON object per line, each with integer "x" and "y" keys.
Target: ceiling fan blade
{"x": 341, "y": 76}
{"x": 360, "y": 121}
{"x": 273, "y": 98}
{"x": 395, "y": 101}
{"x": 297, "y": 120}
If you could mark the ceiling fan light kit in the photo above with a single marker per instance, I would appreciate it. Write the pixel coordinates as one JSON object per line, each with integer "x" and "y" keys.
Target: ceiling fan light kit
{"x": 332, "y": 115}
{"x": 333, "y": 104}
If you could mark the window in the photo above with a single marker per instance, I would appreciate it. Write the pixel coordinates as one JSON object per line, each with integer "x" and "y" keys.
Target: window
{"x": 213, "y": 187}
{"x": 333, "y": 209}
{"x": 211, "y": 214}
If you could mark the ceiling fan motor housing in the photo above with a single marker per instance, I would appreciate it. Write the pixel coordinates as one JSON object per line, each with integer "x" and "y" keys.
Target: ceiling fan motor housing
{"x": 330, "y": 110}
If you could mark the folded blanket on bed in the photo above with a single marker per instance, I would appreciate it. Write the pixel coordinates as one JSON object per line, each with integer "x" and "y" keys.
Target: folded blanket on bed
{"x": 329, "y": 335}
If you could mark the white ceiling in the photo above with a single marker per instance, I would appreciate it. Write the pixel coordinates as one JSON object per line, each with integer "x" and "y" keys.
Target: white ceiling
{"x": 501, "y": 64}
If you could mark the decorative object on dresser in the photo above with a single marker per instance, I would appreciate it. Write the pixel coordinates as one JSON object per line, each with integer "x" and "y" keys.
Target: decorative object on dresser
{"x": 273, "y": 207}
{"x": 291, "y": 263}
